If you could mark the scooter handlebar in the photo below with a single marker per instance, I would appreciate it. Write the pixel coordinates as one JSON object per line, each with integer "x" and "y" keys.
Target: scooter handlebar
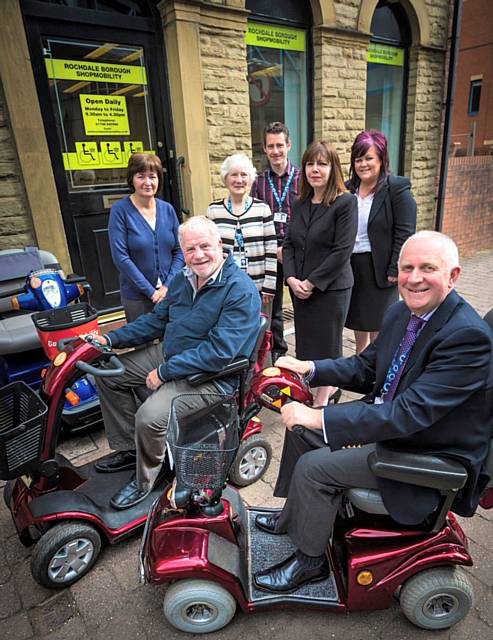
{"x": 63, "y": 342}
{"x": 117, "y": 368}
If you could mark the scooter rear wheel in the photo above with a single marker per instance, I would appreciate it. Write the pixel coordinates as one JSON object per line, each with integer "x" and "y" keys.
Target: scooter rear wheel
{"x": 437, "y": 598}
{"x": 251, "y": 462}
{"x": 198, "y": 606}
{"x": 64, "y": 554}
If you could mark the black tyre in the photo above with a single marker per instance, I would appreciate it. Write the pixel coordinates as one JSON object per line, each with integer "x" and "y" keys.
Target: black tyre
{"x": 64, "y": 554}
{"x": 7, "y": 492}
{"x": 251, "y": 462}
{"x": 198, "y": 606}
{"x": 437, "y": 598}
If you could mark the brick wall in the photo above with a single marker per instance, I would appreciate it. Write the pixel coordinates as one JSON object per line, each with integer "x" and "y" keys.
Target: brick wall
{"x": 468, "y": 211}
{"x": 15, "y": 224}
{"x": 339, "y": 89}
{"x": 224, "y": 64}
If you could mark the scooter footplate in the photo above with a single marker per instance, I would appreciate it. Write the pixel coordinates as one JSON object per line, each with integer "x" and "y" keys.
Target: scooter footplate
{"x": 266, "y": 550}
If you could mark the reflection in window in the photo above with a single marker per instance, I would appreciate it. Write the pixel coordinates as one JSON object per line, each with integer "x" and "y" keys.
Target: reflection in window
{"x": 277, "y": 83}
{"x": 386, "y": 76}
{"x": 474, "y": 97}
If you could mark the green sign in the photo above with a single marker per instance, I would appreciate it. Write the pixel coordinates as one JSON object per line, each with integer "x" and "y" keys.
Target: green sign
{"x": 95, "y": 71}
{"x": 385, "y": 54}
{"x": 275, "y": 37}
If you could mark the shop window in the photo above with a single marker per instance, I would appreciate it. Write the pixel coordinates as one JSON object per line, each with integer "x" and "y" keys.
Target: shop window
{"x": 474, "y": 97}
{"x": 387, "y": 77}
{"x": 277, "y": 72}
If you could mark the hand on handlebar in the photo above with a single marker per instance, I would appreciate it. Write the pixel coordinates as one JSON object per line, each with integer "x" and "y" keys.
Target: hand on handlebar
{"x": 301, "y": 367}
{"x": 294, "y": 414}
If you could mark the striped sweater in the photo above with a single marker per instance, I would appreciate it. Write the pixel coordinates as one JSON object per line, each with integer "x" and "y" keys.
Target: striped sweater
{"x": 259, "y": 234}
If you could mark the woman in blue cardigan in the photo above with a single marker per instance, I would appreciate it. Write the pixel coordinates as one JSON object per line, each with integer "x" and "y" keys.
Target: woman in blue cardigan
{"x": 143, "y": 233}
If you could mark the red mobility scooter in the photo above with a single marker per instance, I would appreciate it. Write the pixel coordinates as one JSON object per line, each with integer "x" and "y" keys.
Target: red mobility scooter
{"x": 65, "y": 509}
{"x": 201, "y": 538}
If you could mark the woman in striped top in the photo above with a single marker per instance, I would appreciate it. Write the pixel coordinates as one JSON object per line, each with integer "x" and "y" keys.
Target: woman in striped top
{"x": 246, "y": 226}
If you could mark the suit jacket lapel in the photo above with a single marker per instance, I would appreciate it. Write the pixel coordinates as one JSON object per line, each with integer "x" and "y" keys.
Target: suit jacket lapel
{"x": 377, "y": 203}
{"x": 435, "y": 323}
{"x": 305, "y": 212}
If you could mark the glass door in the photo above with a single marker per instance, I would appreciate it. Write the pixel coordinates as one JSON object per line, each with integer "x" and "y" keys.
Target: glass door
{"x": 103, "y": 95}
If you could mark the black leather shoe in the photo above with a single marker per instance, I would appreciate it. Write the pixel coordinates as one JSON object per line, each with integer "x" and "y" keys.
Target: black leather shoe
{"x": 119, "y": 461}
{"x": 129, "y": 495}
{"x": 267, "y": 522}
{"x": 289, "y": 575}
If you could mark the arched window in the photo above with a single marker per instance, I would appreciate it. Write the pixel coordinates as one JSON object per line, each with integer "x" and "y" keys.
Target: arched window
{"x": 387, "y": 77}
{"x": 277, "y": 52}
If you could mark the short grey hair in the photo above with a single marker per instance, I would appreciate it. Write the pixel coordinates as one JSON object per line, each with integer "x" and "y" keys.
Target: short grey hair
{"x": 237, "y": 161}
{"x": 448, "y": 246}
{"x": 200, "y": 224}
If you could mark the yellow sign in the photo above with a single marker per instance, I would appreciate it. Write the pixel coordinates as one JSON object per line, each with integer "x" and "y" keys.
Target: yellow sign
{"x": 104, "y": 115}
{"x": 385, "y": 54}
{"x": 108, "y": 155}
{"x": 132, "y": 147}
{"x": 95, "y": 71}
{"x": 87, "y": 154}
{"x": 275, "y": 37}
{"x": 111, "y": 154}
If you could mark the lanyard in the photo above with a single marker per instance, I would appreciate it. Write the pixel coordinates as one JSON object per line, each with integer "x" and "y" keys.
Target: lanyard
{"x": 280, "y": 200}
{"x": 247, "y": 205}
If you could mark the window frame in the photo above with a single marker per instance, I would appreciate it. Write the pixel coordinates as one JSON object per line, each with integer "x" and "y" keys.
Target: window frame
{"x": 475, "y": 84}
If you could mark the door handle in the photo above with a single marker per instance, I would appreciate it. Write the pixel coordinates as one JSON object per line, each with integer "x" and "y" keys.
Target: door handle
{"x": 180, "y": 161}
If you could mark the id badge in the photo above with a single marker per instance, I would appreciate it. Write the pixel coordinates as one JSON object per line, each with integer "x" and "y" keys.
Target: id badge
{"x": 280, "y": 216}
{"x": 241, "y": 260}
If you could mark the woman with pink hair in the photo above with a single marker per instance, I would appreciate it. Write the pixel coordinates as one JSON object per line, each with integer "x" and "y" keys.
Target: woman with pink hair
{"x": 386, "y": 217}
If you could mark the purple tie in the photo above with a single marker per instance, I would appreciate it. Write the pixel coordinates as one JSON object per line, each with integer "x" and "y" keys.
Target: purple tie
{"x": 397, "y": 367}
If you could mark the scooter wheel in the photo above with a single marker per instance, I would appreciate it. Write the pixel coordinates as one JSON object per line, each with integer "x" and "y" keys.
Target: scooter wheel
{"x": 64, "y": 554}
{"x": 251, "y": 461}
{"x": 198, "y": 606}
{"x": 437, "y": 598}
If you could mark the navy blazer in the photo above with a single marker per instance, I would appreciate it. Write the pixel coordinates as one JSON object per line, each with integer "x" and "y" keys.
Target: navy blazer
{"x": 391, "y": 221}
{"x": 319, "y": 248}
{"x": 443, "y": 404}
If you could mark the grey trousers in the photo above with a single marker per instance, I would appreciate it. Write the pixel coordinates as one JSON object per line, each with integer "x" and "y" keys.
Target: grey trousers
{"x": 316, "y": 487}
{"x": 136, "y": 308}
{"x": 130, "y": 424}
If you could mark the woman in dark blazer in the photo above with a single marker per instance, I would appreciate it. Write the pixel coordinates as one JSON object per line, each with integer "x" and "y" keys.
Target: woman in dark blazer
{"x": 386, "y": 217}
{"x": 316, "y": 257}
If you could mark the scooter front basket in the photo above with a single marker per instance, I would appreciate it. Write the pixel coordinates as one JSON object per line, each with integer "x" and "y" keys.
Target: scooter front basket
{"x": 203, "y": 437}
{"x": 21, "y": 429}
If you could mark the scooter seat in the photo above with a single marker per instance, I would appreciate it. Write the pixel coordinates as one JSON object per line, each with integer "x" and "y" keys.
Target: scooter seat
{"x": 368, "y": 500}
{"x": 17, "y": 334}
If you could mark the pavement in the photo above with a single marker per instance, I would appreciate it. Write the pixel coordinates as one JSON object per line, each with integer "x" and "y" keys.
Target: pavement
{"x": 108, "y": 603}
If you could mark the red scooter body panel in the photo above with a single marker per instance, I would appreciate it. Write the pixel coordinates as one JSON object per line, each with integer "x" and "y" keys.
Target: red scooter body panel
{"x": 273, "y": 387}
{"x": 394, "y": 559}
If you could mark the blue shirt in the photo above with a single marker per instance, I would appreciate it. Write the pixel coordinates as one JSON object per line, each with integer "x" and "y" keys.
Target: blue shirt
{"x": 141, "y": 254}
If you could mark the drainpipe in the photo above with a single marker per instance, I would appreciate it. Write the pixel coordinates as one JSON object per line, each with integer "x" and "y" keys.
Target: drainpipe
{"x": 454, "y": 52}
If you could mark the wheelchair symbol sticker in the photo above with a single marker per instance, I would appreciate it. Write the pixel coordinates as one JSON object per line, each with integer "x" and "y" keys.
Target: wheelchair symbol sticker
{"x": 111, "y": 153}
{"x": 132, "y": 147}
{"x": 87, "y": 153}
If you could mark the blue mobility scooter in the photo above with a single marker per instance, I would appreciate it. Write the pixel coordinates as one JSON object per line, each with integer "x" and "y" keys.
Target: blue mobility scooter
{"x": 35, "y": 312}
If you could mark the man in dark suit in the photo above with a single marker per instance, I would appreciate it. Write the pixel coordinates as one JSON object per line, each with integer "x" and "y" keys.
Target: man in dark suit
{"x": 431, "y": 391}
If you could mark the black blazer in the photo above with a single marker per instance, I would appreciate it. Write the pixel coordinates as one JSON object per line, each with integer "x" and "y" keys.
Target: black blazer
{"x": 319, "y": 249}
{"x": 391, "y": 221}
{"x": 443, "y": 404}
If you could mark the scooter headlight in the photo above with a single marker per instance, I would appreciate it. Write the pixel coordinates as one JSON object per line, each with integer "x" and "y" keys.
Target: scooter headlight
{"x": 51, "y": 292}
